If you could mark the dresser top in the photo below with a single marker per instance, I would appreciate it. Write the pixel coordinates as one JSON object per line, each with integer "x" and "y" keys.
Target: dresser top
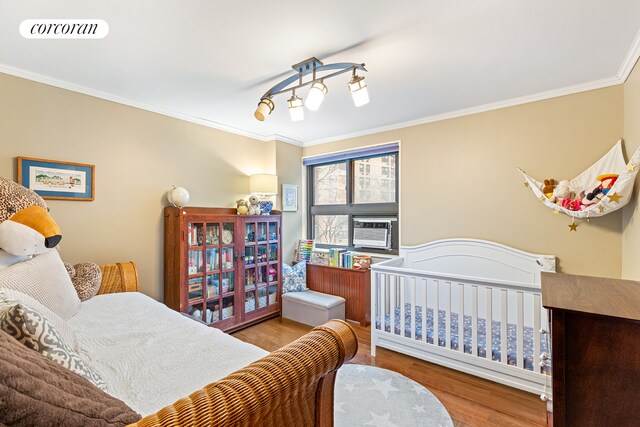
{"x": 595, "y": 295}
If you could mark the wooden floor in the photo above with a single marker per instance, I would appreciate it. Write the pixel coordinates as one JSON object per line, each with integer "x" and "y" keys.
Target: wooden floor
{"x": 470, "y": 400}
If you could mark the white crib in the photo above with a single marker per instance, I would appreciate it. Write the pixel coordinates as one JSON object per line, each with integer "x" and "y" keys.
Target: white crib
{"x": 490, "y": 284}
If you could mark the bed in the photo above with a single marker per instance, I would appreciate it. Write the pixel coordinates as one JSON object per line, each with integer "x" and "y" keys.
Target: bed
{"x": 489, "y": 322}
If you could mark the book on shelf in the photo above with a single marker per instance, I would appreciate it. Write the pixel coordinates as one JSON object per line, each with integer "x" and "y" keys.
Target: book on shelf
{"x": 335, "y": 256}
{"x": 320, "y": 256}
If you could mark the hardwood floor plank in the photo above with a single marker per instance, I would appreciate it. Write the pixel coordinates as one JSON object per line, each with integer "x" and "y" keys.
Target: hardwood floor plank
{"x": 471, "y": 401}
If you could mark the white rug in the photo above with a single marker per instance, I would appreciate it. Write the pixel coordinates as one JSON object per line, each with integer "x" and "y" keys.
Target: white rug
{"x": 370, "y": 396}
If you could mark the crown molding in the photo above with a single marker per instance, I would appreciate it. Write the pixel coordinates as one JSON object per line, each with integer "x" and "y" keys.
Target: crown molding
{"x": 569, "y": 90}
{"x": 630, "y": 60}
{"x": 50, "y": 81}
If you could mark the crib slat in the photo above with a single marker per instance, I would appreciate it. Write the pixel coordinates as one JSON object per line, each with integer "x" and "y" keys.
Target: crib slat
{"x": 461, "y": 317}
{"x": 382, "y": 299}
{"x": 436, "y": 315}
{"x": 412, "y": 306}
{"x": 536, "y": 332}
{"x": 392, "y": 303}
{"x": 424, "y": 309}
{"x": 474, "y": 320}
{"x": 519, "y": 331}
{"x": 447, "y": 317}
{"x": 488, "y": 324}
{"x": 503, "y": 327}
{"x": 402, "y": 281}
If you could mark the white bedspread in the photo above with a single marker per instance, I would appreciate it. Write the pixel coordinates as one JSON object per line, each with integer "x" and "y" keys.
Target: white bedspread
{"x": 150, "y": 355}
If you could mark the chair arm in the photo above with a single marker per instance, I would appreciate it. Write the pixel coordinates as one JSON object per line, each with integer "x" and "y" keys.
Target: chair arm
{"x": 292, "y": 386}
{"x": 119, "y": 277}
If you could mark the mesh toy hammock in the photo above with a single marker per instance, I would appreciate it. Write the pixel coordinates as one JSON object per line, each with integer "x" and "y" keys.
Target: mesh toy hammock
{"x": 619, "y": 194}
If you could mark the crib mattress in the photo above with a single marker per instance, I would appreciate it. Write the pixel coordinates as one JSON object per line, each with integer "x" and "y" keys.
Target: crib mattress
{"x": 496, "y": 353}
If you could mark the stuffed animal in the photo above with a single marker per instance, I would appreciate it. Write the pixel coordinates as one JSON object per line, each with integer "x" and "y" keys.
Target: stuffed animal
{"x": 562, "y": 191}
{"x": 549, "y": 186}
{"x": 598, "y": 191}
{"x": 242, "y": 207}
{"x": 86, "y": 278}
{"x": 254, "y": 207}
{"x": 27, "y": 229}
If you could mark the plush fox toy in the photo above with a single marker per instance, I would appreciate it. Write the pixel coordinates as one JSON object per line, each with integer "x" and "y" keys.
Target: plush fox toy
{"x": 27, "y": 229}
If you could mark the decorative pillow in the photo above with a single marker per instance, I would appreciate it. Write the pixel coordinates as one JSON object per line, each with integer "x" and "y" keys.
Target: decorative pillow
{"x": 294, "y": 279}
{"x": 9, "y": 296}
{"x": 44, "y": 278}
{"x": 33, "y": 330}
{"x": 38, "y": 392}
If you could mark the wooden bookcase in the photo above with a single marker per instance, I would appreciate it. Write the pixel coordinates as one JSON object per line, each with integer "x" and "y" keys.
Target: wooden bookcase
{"x": 595, "y": 360}
{"x": 352, "y": 285}
{"x": 222, "y": 268}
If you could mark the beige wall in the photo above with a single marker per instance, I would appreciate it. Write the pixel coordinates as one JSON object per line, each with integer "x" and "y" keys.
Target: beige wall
{"x": 289, "y": 171}
{"x": 459, "y": 178}
{"x": 630, "y": 218}
{"x": 138, "y": 156}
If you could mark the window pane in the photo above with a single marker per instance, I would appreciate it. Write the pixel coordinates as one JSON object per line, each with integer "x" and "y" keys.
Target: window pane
{"x": 375, "y": 183}
{"x": 329, "y": 184}
{"x": 331, "y": 229}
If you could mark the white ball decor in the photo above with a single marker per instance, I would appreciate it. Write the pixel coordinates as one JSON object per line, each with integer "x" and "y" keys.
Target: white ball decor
{"x": 178, "y": 196}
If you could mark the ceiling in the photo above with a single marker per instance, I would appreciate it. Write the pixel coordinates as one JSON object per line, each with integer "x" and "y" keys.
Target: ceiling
{"x": 210, "y": 62}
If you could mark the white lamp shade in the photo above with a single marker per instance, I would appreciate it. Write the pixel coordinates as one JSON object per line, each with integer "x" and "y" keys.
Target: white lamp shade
{"x": 359, "y": 91}
{"x": 265, "y": 107}
{"x": 263, "y": 184}
{"x": 316, "y": 96}
{"x": 295, "y": 108}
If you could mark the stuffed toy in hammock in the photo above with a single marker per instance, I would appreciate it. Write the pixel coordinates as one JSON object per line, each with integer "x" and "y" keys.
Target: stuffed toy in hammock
{"x": 27, "y": 230}
{"x": 604, "y": 187}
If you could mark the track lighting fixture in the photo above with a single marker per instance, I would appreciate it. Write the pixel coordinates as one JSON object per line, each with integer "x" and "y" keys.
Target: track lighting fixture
{"x": 318, "y": 90}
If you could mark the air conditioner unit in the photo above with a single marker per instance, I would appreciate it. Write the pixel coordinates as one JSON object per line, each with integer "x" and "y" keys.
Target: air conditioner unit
{"x": 372, "y": 233}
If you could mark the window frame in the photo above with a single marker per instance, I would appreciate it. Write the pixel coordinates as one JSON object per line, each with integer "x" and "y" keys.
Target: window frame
{"x": 352, "y": 209}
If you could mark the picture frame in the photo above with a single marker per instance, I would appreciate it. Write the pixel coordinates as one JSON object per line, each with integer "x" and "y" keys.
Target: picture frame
{"x": 289, "y": 198}
{"x": 57, "y": 180}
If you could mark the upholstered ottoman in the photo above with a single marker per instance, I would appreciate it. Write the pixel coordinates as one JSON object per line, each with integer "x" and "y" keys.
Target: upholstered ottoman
{"x": 311, "y": 307}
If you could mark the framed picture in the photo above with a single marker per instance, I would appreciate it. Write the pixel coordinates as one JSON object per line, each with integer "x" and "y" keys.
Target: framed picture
{"x": 289, "y": 197}
{"x": 53, "y": 179}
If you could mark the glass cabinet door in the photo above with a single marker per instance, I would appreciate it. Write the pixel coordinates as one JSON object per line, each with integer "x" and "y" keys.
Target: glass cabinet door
{"x": 217, "y": 266}
{"x": 195, "y": 270}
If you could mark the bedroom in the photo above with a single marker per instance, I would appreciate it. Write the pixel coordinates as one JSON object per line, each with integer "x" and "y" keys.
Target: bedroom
{"x": 52, "y": 106}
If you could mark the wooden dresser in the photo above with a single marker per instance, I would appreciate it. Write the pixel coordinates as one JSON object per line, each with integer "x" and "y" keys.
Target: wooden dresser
{"x": 595, "y": 332}
{"x": 352, "y": 285}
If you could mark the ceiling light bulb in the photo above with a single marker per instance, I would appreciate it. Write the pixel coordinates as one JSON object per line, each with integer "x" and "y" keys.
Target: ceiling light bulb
{"x": 265, "y": 107}
{"x": 316, "y": 96}
{"x": 295, "y": 108}
{"x": 359, "y": 91}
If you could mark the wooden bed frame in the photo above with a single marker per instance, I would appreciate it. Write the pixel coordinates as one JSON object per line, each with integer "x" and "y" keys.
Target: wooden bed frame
{"x": 291, "y": 386}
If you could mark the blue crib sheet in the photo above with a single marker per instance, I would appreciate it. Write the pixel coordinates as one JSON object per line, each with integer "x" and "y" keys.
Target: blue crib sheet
{"x": 512, "y": 342}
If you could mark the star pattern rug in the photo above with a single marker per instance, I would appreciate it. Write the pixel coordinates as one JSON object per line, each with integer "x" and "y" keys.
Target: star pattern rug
{"x": 370, "y": 396}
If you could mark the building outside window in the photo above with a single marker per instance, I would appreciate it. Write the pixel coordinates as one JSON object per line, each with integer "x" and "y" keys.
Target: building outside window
{"x": 348, "y": 188}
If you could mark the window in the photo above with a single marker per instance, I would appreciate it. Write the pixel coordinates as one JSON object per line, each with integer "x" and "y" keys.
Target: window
{"x": 339, "y": 191}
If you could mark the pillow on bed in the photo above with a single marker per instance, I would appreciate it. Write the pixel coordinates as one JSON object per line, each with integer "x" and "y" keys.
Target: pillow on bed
{"x": 33, "y": 330}
{"x": 294, "y": 279}
{"x": 8, "y": 296}
{"x": 44, "y": 278}
{"x": 37, "y": 391}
